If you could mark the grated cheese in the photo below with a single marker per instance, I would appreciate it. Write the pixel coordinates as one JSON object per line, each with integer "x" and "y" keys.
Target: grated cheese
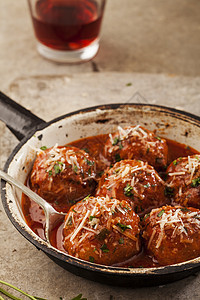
{"x": 176, "y": 220}
{"x": 191, "y": 164}
{"x": 96, "y": 208}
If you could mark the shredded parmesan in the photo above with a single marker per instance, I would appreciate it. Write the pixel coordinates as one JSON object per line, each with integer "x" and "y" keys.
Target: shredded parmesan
{"x": 80, "y": 226}
{"x": 187, "y": 168}
{"x": 88, "y": 222}
{"x": 177, "y": 220}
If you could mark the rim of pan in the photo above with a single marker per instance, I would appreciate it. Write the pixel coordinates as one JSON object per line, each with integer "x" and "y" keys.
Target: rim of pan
{"x": 57, "y": 254}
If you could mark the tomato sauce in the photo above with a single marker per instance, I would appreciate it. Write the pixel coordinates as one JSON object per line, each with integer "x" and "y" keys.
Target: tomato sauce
{"x": 94, "y": 145}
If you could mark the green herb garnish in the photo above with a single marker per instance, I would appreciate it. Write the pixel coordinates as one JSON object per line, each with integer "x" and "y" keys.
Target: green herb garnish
{"x": 89, "y": 162}
{"x": 86, "y": 198}
{"x": 116, "y": 141}
{"x": 184, "y": 209}
{"x": 92, "y": 217}
{"x": 69, "y": 222}
{"x": 43, "y": 148}
{"x": 123, "y": 227}
{"x": 121, "y": 241}
{"x": 147, "y": 185}
{"x": 50, "y": 173}
{"x": 146, "y": 216}
{"x": 58, "y": 167}
{"x": 169, "y": 191}
{"x": 195, "y": 182}
{"x": 75, "y": 168}
{"x": 17, "y": 289}
{"x": 104, "y": 248}
{"x": 117, "y": 157}
{"x": 79, "y": 297}
{"x": 128, "y": 190}
{"x": 86, "y": 150}
{"x": 91, "y": 259}
{"x": 160, "y": 213}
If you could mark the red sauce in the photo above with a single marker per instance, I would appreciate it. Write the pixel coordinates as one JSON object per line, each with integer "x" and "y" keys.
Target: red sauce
{"x": 35, "y": 218}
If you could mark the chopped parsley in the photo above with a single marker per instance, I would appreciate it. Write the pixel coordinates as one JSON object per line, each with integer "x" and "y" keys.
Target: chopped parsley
{"x": 117, "y": 157}
{"x": 123, "y": 227}
{"x": 79, "y": 297}
{"x": 126, "y": 207}
{"x": 184, "y": 209}
{"x": 58, "y": 167}
{"x": 86, "y": 198}
{"x": 121, "y": 241}
{"x": 43, "y": 148}
{"x": 89, "y": 162}
{"x": 147, "y": 185}
{"x": 175, "y": 162}
{"x": 104, "y": 248}
{"x": 169, "y": 191}
{"x": 86, "y": 150}
{"x": 69, "y": 222}
{"x": 50, "y": 173}
{"x": 75, "y": 168}
{"x": 91, "y": 218}
{"x": 160, "y": 213}
{"x": 116, "y": 141}
{"x": 146, "y": 216}
{"x": 128, "y": 190}
{"x": 195, "y": 182}
{"x": 91, "y": 259}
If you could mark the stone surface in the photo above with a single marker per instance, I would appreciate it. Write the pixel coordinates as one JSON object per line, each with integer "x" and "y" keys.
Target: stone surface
{"x": 146, "y": 36}
{"x": 149, "y": 54}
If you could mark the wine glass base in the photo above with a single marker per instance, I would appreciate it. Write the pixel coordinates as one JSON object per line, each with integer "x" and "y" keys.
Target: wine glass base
{"x": 74, "y": 56}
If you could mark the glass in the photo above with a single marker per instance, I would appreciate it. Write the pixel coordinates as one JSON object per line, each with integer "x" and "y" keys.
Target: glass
{"x": 67, "y": 30}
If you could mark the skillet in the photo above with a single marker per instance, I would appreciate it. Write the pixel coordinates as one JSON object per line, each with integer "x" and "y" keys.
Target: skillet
{"x": 33, "y": 132}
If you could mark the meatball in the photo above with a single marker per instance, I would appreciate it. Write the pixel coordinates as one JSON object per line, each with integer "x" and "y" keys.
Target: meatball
{"x": 136, "y": 182}
{"x": 172, "y": 234}
{"x": 136, "y": 143}
{"x": 102, "y": 230}
{"x": 183, "y": 181}
{"x": 63, "y": 175}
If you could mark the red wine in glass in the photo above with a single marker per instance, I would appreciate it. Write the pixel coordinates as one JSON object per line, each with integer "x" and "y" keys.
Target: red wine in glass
{"x": 67, "y": 24}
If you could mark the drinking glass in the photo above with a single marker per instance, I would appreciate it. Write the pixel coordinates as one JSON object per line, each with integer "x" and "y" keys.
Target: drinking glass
{"x": 67, "y": 30}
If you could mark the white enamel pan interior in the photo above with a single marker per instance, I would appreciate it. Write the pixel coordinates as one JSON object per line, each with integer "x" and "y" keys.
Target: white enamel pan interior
{"x": 168, "y": 123}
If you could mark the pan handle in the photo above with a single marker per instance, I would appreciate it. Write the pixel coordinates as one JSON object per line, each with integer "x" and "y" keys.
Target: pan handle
{"x": 18, "y": 119}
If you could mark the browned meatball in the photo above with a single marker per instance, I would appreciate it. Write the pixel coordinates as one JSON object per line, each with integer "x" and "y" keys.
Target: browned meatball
{"x": 172, "y": 234}
{"x": 183, "y": 181}
{"x": 63, "y": 175}
{"x": 134, "y": 181}
{"x": 102, "y": 230}
{"x": 136, "y": 143}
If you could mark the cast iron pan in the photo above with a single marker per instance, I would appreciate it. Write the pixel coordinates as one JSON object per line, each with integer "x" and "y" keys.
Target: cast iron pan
{"x": 26, "y": 126}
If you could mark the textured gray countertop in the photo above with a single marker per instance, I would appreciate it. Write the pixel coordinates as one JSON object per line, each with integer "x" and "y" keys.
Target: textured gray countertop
{"x": 149, "y": 54}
